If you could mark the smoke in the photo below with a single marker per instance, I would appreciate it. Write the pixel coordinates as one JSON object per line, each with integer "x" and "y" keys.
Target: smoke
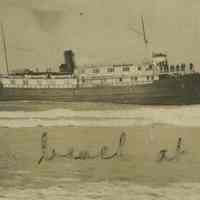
{"x": 48, "y": 14}
{"x": 48, "y": 20}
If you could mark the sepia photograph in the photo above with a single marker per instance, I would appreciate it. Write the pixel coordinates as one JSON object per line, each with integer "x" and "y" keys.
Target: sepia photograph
{"x": 99, "y": 99}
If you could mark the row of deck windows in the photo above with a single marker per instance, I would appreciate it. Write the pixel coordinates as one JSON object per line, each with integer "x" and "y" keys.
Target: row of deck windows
{"x": 110, "y": 70}
{"x": 164, "y": 67}
{"x": 124, "y": 69}
{"x": 39, "y": 83}
{"x": 148, "y": 78}
{"x": 26, "y": 82}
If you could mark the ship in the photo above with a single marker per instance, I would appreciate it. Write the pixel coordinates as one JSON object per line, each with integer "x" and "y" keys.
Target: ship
{"x": 155, "y": 82}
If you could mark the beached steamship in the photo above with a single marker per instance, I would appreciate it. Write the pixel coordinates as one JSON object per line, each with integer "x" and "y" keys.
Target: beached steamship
{"x": 154, "y": 83}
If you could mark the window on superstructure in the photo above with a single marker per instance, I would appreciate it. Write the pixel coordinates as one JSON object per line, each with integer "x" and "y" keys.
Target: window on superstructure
{"x": 147, "y": 78}
{"x": 166, "y": 68}
{"x": 183, "y": 67}
{"x": 125, "y": 69}
{"x": 136, "y": 78}
{"x": 152, "y": 78}
{"x": 172, "y": 68}
{"x": 177, "y": 68}
{"x": 110, "y": 70}
{"x": 139, "y": 68}
{"x": 96, "y": 71}
{"x": 120, "y": 79}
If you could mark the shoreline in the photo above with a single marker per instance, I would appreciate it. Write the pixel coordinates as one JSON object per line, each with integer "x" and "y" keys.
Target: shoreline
{"x": 120, "y": 127}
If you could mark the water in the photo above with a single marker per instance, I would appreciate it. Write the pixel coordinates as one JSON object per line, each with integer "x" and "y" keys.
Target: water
{"x": 107, "y": 191}
{"x": 88, "y": 125}
{"x": 30, "y": 114}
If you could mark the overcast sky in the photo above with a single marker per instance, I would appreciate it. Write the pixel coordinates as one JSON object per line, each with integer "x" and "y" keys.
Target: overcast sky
{"x": 99, "y": 31}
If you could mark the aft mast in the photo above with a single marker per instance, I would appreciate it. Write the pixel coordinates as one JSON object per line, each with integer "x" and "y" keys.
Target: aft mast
{"x": 144, "y": 32}
{"x": 5, "y": 48}
{"x": 146, "y": 41}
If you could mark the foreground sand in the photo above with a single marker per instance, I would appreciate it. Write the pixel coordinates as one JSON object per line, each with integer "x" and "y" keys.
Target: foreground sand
{"x": 20, "y": 151}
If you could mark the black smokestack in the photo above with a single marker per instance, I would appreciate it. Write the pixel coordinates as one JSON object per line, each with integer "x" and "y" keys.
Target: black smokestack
{"x": 69, "y": 65}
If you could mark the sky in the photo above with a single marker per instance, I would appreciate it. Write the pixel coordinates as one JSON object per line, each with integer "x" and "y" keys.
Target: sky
{"x": 98, "y": 31}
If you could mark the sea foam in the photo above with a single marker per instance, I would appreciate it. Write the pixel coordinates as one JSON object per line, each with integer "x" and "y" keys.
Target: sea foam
{"x": 134, "y": 116}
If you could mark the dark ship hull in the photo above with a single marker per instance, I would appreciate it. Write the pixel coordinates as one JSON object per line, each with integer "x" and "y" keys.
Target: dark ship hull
{"x": 166, "y": 91}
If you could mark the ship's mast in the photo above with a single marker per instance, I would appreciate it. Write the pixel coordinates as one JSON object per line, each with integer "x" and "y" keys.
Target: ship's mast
{"x": 146, "y": 41}
{"x": 5, "y": 48}
{"x": 144, "y": 32}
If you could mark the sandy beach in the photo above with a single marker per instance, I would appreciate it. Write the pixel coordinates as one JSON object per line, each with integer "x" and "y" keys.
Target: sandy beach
{"x": 20, "y": 151}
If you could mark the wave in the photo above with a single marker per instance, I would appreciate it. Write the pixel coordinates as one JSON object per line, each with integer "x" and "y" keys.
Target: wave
{"x": 136, "y": 116}
{"x": 90, "y": 191}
